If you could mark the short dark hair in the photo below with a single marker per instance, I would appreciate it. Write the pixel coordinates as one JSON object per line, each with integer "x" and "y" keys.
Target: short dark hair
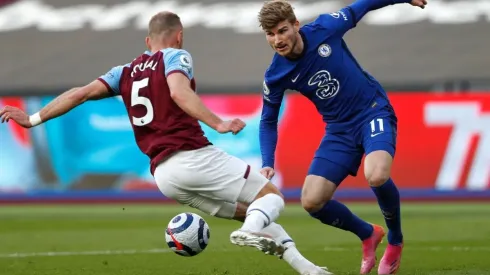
{"x": 274, "y": 12}
{"x": 163, "y": 22}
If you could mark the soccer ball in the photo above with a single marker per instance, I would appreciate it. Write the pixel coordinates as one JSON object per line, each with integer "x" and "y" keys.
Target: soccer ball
{"x": 187, "y": 234}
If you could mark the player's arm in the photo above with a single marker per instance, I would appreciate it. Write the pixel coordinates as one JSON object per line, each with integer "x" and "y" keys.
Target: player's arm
{"x": 268, "y": 134}
{"x": 179, "y": 72}
{"x": 347, "y": 18}
{"x": 72, "y": 98}
{"x": 183, "y": 95}
{"x": 105, "y": 86}
{"x": 57, "y": 107}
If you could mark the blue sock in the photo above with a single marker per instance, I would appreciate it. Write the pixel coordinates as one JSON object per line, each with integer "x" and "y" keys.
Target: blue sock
{"x": 338, "y": 215}
{"x": 389, "y": 203}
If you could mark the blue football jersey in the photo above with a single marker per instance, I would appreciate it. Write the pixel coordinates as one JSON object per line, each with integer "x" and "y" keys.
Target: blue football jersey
{"x": 327, "y": 74}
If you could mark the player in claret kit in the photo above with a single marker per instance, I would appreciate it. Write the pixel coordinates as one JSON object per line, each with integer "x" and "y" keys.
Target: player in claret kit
{"x": 314, "y": 60}
{"x": 158, "y": 90}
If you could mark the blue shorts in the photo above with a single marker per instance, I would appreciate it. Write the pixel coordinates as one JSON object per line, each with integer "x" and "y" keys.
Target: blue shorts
{"x": 340, "y": 154}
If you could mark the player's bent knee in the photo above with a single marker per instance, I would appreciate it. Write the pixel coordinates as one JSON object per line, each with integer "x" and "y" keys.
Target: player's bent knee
{"x": 313, "y": 203}
{"x": 378, "y": 178}
{"x": 311, "y": 206}
{"x": 378, "y": 167}
{"x": 269, "y": 188}
{"x": 378, "y": 174}
{"x": 255, "y": 187}
{"x": 316, "y": 192}
{"x": 260, "y": 194}
{"x": 240, "y": 212}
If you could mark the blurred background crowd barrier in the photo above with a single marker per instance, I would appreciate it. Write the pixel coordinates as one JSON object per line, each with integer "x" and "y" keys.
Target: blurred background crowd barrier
{"x": 434, "y": 64}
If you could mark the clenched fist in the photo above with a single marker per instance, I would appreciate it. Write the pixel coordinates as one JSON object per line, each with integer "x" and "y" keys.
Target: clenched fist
{"x": 268, "y": 172}
{"x": 234, "y": 126}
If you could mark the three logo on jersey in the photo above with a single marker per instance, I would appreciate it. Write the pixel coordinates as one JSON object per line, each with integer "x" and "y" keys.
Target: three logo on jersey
{"x": 328, "y": 87}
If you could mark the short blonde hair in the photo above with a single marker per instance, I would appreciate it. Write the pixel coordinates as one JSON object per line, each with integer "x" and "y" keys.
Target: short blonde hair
{"x": 274, "y": 12}
{"x": 164, "y": 22}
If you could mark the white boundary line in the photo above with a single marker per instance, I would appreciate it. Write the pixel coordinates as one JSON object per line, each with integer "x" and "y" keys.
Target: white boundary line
{"x": 166, "y": 250}
{"x": 85, "y": 253}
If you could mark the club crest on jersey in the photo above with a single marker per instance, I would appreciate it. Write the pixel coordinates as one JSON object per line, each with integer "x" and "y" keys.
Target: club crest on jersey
{"x": 324, "y": 50}
{"x": 328, "y": 87}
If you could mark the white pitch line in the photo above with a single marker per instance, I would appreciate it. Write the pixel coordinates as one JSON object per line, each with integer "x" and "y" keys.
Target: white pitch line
{"x": 163, "y": 250}
{"x": 85, "y": 253}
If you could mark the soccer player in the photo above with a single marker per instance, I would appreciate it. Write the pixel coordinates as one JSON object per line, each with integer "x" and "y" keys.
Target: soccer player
{"x": 314, "y": 60}
{"x": 158, "y": 91}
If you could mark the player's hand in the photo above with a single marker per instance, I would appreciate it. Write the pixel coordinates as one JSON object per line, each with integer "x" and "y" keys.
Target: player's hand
{"x": 268, "y": 172}
{"x": 15, "y": 114}
{"x": 234, "y": 126}
{"x": 419, "y": 3}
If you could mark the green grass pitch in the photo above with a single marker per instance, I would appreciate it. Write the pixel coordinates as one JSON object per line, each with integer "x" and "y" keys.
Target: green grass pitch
{"x": 440, "y": 239}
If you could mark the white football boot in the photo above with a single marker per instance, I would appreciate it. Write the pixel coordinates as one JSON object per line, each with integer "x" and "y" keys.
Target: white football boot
{"x": 262, "y": 242}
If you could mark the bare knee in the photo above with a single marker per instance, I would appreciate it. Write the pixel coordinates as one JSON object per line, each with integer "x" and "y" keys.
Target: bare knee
{"x": 240, "y": 212}
{"x": 316, "y": 192}
{"x": 269, "y": 188}
{"x": 378, "y": 168}
{"x": 255, "y": 188}
{"x": 378, "y": 177}
{"x": 312, "y": 205}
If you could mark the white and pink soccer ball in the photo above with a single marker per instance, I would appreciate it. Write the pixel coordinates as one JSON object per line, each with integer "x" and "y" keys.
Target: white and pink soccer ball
{"x": 187, "y": 234}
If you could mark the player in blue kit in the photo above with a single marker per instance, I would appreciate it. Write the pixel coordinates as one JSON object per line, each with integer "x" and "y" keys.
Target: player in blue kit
{"x": 315, "y": 61}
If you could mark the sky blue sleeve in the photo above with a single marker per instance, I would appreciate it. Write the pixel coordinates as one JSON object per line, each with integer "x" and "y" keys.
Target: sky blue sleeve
{"x": 178, "y": 60}
{"x": 268, "y": 133}
{"x": 112, "y": 78}
{"x": 347, "y": 18}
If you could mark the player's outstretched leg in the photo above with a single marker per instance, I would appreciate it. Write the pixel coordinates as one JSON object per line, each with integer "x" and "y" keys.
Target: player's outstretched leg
{"x": 262, "y": 211}
{"x": 291, "y": 254}
{"x": 378, "y": 166}
{"x": 315, "y": 199}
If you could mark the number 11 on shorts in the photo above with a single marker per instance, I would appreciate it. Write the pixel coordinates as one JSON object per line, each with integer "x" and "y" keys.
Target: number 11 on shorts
{"x": 377, "y": 127}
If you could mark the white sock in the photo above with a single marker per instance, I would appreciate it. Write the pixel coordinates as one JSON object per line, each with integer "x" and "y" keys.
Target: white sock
{"x": 292, "y": 256}
{"x": 263, "y": 212}
{"x": 297, "y": 261}
{"x": 279, "y": 234}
